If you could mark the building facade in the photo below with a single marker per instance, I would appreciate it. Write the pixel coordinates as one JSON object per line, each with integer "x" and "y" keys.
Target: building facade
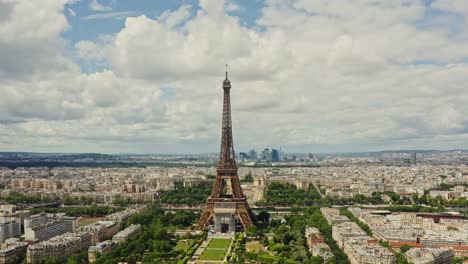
{"x": 9, "y": 228}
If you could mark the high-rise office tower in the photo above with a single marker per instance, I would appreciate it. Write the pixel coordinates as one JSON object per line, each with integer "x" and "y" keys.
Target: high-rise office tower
{"x": 266, "y": 155}
{"x": 252, "y": 154}
{"x": 275, "y": 156}
{"x": 413, "y": 158}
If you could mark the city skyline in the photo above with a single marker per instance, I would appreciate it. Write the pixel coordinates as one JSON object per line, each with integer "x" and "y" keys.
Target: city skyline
{"x": 142, "y": 77}
{"x": 237, "y": 152}
{"x": 234, "y": 131}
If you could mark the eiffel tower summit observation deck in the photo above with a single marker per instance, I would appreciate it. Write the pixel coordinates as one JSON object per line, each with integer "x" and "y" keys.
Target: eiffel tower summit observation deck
{"x": 227, "y": 205}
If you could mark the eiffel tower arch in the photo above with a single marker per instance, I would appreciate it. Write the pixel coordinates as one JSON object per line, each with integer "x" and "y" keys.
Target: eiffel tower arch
{"x": 227, "y": 203}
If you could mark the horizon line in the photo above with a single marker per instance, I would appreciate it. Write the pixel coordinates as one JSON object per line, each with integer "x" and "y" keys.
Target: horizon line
{"x": 211, "y": 153}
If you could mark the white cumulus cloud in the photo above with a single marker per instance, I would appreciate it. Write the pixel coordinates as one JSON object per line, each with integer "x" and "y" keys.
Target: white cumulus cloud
{"x": 309, "y": 76}
{"x": 96, "y": 6}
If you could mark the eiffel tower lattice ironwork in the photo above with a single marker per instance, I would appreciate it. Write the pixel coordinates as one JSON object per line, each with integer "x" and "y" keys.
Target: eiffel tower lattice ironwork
{"x": 226, "y": 195}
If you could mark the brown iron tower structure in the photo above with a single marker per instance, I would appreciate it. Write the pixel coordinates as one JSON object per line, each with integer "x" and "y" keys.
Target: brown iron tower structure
{"x": 227, "y": 198}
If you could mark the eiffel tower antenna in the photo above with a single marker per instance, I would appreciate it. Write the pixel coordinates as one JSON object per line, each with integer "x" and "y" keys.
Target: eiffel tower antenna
{"x": 226, "y": 207}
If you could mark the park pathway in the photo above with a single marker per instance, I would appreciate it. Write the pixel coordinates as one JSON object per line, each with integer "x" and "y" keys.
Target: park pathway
{"x": 199, "y": 251}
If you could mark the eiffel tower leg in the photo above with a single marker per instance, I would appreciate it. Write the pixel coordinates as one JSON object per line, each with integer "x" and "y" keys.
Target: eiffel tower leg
{"x": 205, "y": 217}
{"x": 236, "y": 188}
{"x": 243, "y": 213}
{"x": 217, "y": 187}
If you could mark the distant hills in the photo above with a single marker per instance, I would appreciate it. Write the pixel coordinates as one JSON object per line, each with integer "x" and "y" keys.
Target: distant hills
{"x": 100, "y": 155}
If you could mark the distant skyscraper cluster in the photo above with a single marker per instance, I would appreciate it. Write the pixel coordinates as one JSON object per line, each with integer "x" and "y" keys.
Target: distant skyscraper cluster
{"x": 266, "y": 155}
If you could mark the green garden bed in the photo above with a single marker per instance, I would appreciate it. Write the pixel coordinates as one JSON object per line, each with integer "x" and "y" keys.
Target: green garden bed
{"x": 219, "y": 243}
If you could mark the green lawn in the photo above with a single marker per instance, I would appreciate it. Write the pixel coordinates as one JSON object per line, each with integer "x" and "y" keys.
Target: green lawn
{"x": 219, "y": 243}
{"x": 88, "y": 221}
{"x": 183, "y": 244}
{"x": 213, "y": 254}
{"x": 254, "y": 246}
{"x": 216, "y": 249}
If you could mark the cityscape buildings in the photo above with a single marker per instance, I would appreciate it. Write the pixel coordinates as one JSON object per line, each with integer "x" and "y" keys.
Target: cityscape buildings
{"x": 45, "y": 226}
{"x": 316, "y": 243}
{"x": 418, "y": 230}
{"x": 432, "y": 237}
{"x": 12, "y": 251}
{"x": 9, "y": 228}
{"x": 353, "y": 131}
{"x": 87, "y": 238}
{"x": 101, "y": 248}
{"x": 430, "y": 255}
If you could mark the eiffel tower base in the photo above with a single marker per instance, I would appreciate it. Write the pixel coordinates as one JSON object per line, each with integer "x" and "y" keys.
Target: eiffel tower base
{"x": 224, "y": 210}
{"x": 225, "y": 223}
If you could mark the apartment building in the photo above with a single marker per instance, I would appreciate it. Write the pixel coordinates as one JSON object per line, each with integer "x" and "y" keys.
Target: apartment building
{"x": 12, "y": 251}
{"x": 59, "y": 247}
{"x": 100, "y": 230}
{"x": 316, "y": 243}
{"x": 101, "y": 248}
{"x": 345, "y": 231}
{"x": 9, "y": 228}
{"x": 361, "y": 252}
{"x": 430, "y": 255}
{"x": 43, "y": 226}
{"x": 127, "y": 233}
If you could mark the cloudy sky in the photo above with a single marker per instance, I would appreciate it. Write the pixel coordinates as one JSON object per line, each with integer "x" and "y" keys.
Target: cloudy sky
{"x": 144, "y": 76}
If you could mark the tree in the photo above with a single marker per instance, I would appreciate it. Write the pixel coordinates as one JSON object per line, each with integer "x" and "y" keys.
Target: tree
{"x": 459, "y": 260}
{"x": 401, "y": 259}
{"x": 404, "y": 248}
{"x": 263, "y": 218}
{"x": 49, "y": 260}
{"x": 156, "y": 243}
{"x": 443, "y": 177}
{"x": 78, "y": 258}
{"x": 248, "y": 178}
{"x": 186, "y": 195}
{"x": 251, "y": 231}
{"x": 287, "y": 194}
{"x": 351, "y": 217}
{"x": 264, "y": 241}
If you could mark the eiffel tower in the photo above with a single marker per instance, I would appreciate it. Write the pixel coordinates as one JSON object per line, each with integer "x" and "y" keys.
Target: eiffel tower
{"x": 227, "y": 201}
